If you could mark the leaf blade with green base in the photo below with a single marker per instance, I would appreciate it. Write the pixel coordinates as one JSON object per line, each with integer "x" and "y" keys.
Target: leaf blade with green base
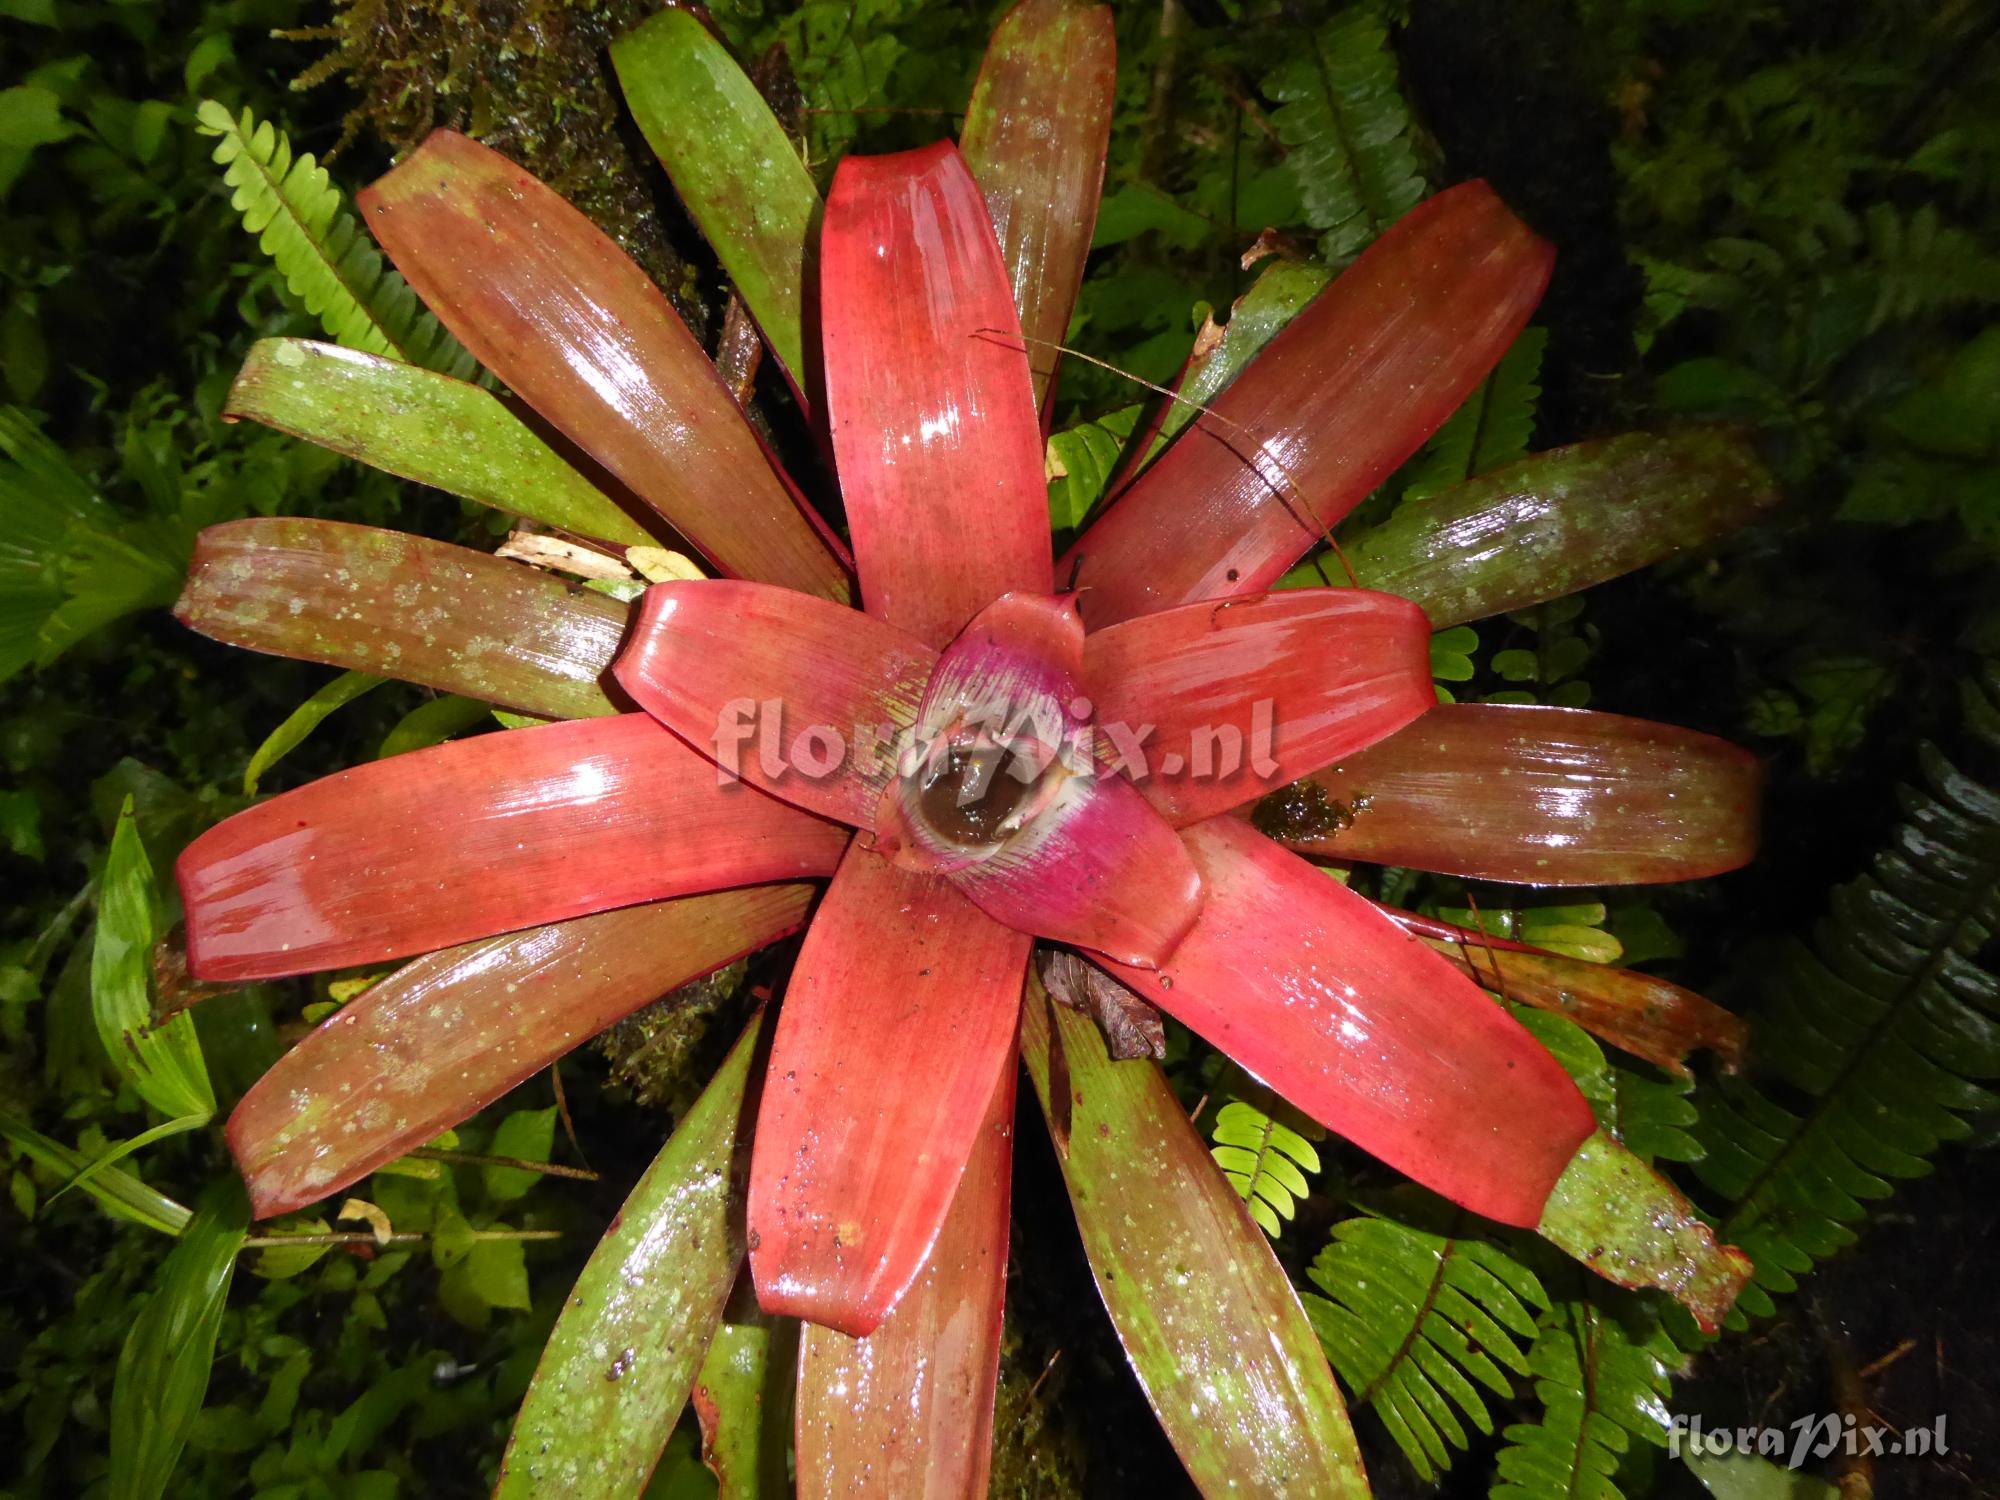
{"x": 635, "y": 1330}
{"x": 424, "y": 426}
{"x": 1180, "y": 1265}
{"x": 735, "y": 169}
{"x": 427, "y": 612}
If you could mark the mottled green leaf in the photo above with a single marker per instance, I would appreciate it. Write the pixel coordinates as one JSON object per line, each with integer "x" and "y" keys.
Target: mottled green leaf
{"x": 634, "y": 1331}
{"x": 734, "y": 168}
{"x": 424, "y": 426}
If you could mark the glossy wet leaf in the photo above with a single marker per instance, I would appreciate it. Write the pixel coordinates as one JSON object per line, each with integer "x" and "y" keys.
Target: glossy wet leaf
{"x": 928, "y": 396}
{"x": 1630, "y": 1225}
{"x": 1208, "y": 1318}
{"x": 404, "y": 606}
{"x": 899, "y": 977}
{"x": 161, "y": 1059}
{"x": 552, "y": 306}
{"x": 733, "y": 167}
{"x": 1035, "y": 135}
{"x": 907, "y": 1412}
{"x": 1343, "y": 395}
{"x": 743, "y": 1396}
{"x": 1316, "y": 994}
{"x": 483, "y": 836}
{"x": 1560, "y": 521}
{"x": 1535, "y": 794}
{"x": 1258, "y": 316}
{"x": 636, "y": 1327}
{"x": 424, "y": 426}
{"x": 448, "y": 1034}
{"x": 163, "y": 1369}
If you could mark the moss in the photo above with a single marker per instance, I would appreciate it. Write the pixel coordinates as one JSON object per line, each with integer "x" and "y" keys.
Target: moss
{"x": 527, "y": 77}
{"x": 1301, "y": 811}
{"x": 665, "y": 1052}
{"x": 1038, "y": 1447}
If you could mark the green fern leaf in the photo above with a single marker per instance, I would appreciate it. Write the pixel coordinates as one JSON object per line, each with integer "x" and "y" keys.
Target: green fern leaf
{"x": 1600, "y": 1386}
{"x": 1265, "y": 1160}
{"x": 1888, "y": 1029}
{"x": 1648, "y": 1111}
{"x": 1080, "y": 462}
{"x": 1349, "y": 133}
{"x": 300, "y": 221}
{"x": 1417, "y": 1323}
{"x": 70, "y": 561}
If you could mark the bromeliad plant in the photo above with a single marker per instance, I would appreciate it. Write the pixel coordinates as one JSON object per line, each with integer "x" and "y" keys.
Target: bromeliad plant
{"x": 997, "y": 748}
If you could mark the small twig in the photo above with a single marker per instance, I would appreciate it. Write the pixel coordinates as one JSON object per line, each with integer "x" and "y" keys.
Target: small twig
{"x": 401, "y": 1237}
{"x": 519, "y": 1164}
{"x": 1294, "y": 503}
{"x": 562, "y": 1111}
{"x": 1875, "y": 1367}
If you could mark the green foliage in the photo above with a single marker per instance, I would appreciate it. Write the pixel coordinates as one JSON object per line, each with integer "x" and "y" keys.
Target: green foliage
{"x": 303, "y": 720}
{"x": 1877, "y": 1041}
{"x": 70, "y": 561}
{"x": 1080, "y": 465}
{"x": 301, "y": 221}
{"x": 1416, "y": 1321}
{"x": 163, "y": 1371}
{"x": 1349, "y": 132}
{"x": 1265, "y": 1160}
{"x": 161, "y": 1059}
{"x": 1600, "y": 1385}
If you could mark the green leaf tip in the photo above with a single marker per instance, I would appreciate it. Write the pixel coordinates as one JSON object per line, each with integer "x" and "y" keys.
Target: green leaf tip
{"x": 1634, "y": 1228}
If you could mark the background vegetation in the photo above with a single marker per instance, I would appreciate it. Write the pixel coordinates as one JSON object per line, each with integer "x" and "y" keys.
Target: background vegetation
{"x": 1779, "y": 213}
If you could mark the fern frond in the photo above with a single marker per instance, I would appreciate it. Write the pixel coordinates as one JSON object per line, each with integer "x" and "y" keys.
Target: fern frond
{"x": 334, "y": 269}
{"x": 70, "y": 561}
{"x": 1491, "y": 427}
{"x": 1265, "y": 1160}
{"x": 1079, "y": 462}
{"x": 1417, "y": 1322}
{"x": 1922, "y": 265}
{"x": 1648, "y": 1111}
{"x": 1600, "y": 1386}
{"x": 1882, "y": 1037}
{"x": 1349, "y": 133}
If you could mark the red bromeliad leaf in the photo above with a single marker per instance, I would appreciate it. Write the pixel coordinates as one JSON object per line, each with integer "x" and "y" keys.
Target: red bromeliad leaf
{"x": 634, "y": 1329}
{"x": 421, "y": 425}
{"x": 1035, "y": 136}
{"x": 907, "y": 1412}
{"x": 1561, "y": 521}
{"x": 927, "y": 393}
{"x": 1633, "y": 1227}
{"x": 1644, "y": 1015}
{"x": 446, "y": 1035}
{"x": 898, "y": 1024}
{"x": 1350, "y": 389}
{"x": 1364, "y": 1028}
{"x": 404, "y": 606}
{"x": 1207, "y": 1316}
{"x": 752, "y": 676}
{"x": 1250, "y": 694}
{"x": 483, "y": 836}
{"x": 547, "y": 302}
{"x": 1541, "y": 795}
